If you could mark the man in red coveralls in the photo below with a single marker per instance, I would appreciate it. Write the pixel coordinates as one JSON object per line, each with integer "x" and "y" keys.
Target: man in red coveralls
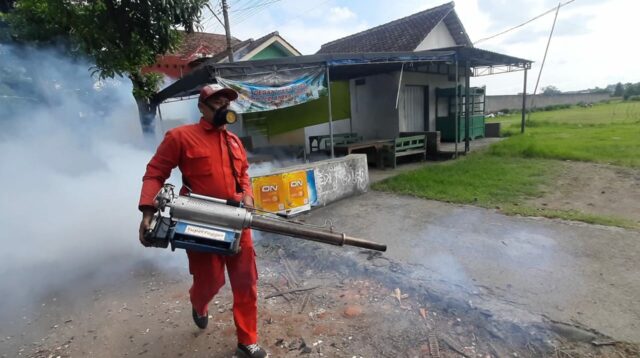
{"x": 213, "y": 163}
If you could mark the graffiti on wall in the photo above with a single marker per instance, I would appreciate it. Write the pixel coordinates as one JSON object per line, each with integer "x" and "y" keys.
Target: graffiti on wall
{"x": 336, "y": 180}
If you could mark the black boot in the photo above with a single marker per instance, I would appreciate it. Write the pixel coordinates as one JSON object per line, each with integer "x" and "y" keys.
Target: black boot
{"x": 251, "y": 351}
{"x": 200, "y": 321}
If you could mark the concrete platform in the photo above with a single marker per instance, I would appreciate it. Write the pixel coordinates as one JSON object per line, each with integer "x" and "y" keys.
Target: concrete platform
{"x": 474, "y": 145}
{"x": 446, "y": 152}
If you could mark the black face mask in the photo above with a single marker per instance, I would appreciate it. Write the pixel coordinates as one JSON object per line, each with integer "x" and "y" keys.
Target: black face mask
{"x": 223, "y": 116}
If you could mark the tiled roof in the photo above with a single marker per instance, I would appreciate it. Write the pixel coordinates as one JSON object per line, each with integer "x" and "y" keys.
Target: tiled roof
{"x": 404, "y": 34}
{"x": 213, "y": 43}
{"x": 240, "y": 49}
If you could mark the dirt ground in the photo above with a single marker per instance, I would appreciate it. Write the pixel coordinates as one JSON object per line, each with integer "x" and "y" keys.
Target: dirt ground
{"x": 595, "y": 189}
{"x": 456, "y": 281}
{"x": 358, "y": 305}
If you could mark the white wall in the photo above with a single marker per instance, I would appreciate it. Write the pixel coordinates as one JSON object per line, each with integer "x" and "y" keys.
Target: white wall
{"x": 439, "y": 37}
{"x": 373, "y": 106}
{"x": 433, "y": 81}
{"x": 496, "y": 103}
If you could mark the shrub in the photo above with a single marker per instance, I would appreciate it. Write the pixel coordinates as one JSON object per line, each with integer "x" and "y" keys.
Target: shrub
{"x": 551, "y": 107}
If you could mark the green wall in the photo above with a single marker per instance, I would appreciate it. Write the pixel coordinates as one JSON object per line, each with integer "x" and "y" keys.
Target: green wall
{"x": 304, "y": 115}
{"x": 271, "y": 51}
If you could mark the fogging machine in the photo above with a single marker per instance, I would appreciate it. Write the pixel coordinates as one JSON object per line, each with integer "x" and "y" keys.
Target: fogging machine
{"x": 202, "y": 223}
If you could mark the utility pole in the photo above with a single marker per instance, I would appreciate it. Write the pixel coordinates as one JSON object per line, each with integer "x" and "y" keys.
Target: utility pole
{"x": 227, "y": 30}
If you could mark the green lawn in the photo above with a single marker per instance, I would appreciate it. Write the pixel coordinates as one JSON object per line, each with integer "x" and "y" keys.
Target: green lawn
{"x": 614, "y": 112}
{"x": 604, "y": 133}
{"x": 484, "y": 180}
{"x": 617, "y": 144}
{"x": 517, "y": 168}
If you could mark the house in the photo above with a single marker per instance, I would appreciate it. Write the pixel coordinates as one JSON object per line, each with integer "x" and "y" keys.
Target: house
{"x": 408, "y": 75}
{"x": 414, "y": 99}
{"x": 200, "y": 46}
{"x": 434, "y": 28}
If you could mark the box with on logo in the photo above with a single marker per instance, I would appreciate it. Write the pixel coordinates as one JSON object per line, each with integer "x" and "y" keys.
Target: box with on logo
{"x": 296, "y": 192}
{"x": 268, "y": 193}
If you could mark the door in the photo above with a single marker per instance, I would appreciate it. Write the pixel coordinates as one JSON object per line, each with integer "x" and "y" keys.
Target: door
{"x": 413, "y": 109}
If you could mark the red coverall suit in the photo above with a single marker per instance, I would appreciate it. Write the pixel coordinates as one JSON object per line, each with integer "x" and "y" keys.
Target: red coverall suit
{"x": 201, "y": 151}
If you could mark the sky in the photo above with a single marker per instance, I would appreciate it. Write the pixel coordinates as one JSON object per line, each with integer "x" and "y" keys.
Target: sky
{"x": 591, "y": 45}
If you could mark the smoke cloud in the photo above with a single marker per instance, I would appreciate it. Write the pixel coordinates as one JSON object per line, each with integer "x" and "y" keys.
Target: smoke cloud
{"x": 73, "y": 157}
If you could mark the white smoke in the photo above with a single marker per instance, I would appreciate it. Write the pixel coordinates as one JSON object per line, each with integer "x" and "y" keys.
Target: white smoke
{"x": 73, "y": 157}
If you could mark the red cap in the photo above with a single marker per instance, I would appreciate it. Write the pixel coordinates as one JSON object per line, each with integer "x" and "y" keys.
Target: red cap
{"x": 209, "y": 90}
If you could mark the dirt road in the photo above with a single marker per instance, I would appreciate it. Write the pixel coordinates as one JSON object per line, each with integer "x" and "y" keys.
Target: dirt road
{"x": 456, "y": 280}
{"x": 568, "y": 271}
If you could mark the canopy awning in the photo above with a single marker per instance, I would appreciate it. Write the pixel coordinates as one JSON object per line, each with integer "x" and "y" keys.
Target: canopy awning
{"x": 343, "y": 66}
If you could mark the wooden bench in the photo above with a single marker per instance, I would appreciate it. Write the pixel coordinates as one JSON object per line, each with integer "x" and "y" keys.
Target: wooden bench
{"x": 433, "y": 141}
{"x": 323, "y": 142}
{"x": 404, "y": 146}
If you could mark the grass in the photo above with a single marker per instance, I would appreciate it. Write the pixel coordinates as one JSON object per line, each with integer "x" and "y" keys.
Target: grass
{"x": 516, "y": 169}
{"x": 617, "y": 144}
{"x": 604, "y": 133}
{"x": 572, "y": 215}
{"x": 480, "y": 179}
{"x": 609, "y": 113}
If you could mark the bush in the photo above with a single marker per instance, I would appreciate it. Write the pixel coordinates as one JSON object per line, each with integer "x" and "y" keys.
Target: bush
{"x": 634, "y": 98}
{"x": 551, "y": 107}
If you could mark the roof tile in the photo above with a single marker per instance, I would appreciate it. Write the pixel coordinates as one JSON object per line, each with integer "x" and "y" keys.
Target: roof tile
{"x": 214, "y": 43}
{"x": 404, "y": 34}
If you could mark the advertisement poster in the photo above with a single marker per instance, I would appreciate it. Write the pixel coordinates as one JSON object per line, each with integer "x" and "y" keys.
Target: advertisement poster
{"x": 257, "y": 97}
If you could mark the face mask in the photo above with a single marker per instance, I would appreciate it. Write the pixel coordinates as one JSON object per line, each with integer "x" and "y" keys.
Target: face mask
{"x": 224, "y": 116}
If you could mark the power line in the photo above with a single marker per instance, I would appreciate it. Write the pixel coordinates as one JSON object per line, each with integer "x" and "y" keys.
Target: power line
{"x": 214, "y": 14}
{"x": 257, "y": 9}
{"x": 544, "y": 58}
{"x": 526, "y": 22}
{"x": 246, "y": 3}
{"x": 252, "y": 7}
{"x": 307, "y": 10}
{"x": 236, "y": 3}
{"x": 249, "y": 5}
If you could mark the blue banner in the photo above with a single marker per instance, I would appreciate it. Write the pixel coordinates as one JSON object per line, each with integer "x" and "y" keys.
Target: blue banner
{"x": 258, "y": 97}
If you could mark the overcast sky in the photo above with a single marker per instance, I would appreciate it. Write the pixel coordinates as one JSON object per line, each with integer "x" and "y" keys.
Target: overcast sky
{"x": 593, "y": 44}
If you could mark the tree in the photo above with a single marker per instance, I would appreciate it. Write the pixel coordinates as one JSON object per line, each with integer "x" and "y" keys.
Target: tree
{"x": 120, "y": 37}
{"x": 630, "y": 90}
{"x": 619, "y": 90}
{"x": 6, "y": 5}
{"x": 550, "y": 91}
